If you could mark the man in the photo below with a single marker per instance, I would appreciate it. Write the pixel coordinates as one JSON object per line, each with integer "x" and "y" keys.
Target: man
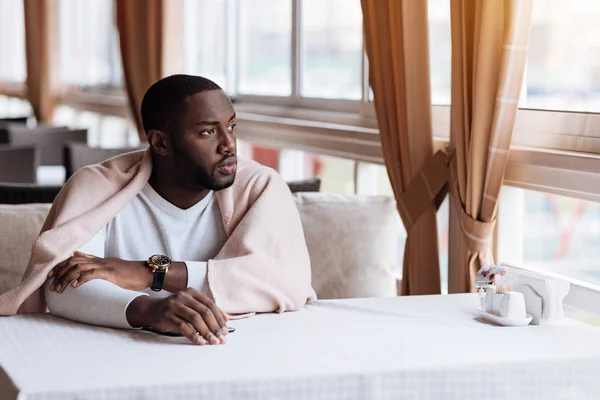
{"x": 172, "y": 238}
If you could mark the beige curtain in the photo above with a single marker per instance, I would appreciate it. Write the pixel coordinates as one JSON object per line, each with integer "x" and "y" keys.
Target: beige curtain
{"x": 397, "y": 47}
{"x": 147, "y": 29}
{"x": 41, "y": 52}
{"x": 489, "y": 50}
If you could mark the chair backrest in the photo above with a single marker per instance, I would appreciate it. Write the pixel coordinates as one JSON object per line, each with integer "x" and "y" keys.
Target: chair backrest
{"x": 11, "y": 193}
{"x": 18, "y": 193}
{"x": 49, "y": 139}
{"x": 78, "y": 155}
{"x": 8, "y": 127}
{"x": 14, "y": 120}
{"x": 305, "y": 185}
{"x": 19, "y": 164}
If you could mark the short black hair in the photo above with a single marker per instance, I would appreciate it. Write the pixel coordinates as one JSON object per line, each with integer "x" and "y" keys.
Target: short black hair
{"x": 164, "y": 103}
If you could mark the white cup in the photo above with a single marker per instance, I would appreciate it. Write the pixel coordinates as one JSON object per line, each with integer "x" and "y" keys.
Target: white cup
{"x": 513, "y": 305}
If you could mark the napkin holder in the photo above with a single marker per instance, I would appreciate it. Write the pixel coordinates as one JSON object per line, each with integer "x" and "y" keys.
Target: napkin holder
{"x": 543, "y": 295}
{"x": 504, "y": 305}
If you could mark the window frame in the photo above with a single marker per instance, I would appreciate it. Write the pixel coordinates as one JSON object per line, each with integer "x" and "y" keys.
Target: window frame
{"x": 361, "y": 107}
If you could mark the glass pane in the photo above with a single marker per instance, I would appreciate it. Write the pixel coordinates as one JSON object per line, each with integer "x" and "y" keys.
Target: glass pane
{"x": 551, "y": 233}
{"x": 204, "y": 44}
{"x": 14, "y": 107}
{"x": 265, "y": 36}
{"x": 443, "y": 224}
{"x": 103, "y": 130}
{"x": 244, "y": 149}
{"x": 337, "y": 174}
{"x": 331, "y": 49}
{"x": 12, "y": 42}
{"x": 373, "y": 180}
{"x": 440, "y": 51}
{"x": 88, "y": 44}
{"x": 265, "y": 155}
{"x": 563, "y": 69}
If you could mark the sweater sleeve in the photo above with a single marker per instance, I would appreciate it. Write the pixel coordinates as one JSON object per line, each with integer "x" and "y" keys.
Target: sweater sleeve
{"x": 96, "y": 302}
{"x": 196, "y": 272}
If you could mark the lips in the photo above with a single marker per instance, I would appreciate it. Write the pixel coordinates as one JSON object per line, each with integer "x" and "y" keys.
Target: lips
{"x": 228, "y": 166}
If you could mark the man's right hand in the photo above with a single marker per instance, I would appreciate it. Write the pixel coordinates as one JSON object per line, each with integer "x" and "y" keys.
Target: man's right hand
{"x": 188, "y": 312}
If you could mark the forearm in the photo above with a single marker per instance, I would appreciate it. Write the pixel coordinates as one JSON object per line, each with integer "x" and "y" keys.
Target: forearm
{"x": 177, "y": 277}
{"x": 137, "y": 310}
{"x": 184, "y": 274}
{"x": 97, "y": 302}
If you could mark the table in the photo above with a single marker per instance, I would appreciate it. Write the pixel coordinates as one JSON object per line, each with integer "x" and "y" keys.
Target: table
{"x": 430, "y": 347}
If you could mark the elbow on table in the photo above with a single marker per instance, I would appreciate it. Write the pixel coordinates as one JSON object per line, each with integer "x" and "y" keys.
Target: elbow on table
{"x": 295, "y": 301}
{"x": 51, "y": 299}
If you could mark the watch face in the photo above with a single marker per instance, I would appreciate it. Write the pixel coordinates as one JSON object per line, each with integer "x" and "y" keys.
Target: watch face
{"x": 160, "y": 260}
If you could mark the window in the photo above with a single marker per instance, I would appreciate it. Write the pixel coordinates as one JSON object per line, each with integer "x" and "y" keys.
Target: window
{"x": 103, "y": 130}
{"x": 264, "y": 48}
{"x": 88, "y": 57}
{"x": 13, "y": 107}
{"x": 337, "y": 174}
{"x": 563, "y": 66}
{"x": 12, "y": 42}
{"x": 312, "y": 52}
{"x": 205, "y": 44}
{"x": 331, "y": 49}
{"x": 440, "y": 51}
{"x": 563, "y": 70}
{"x": 551, "y": 233}
{"x": 308, "y": 50}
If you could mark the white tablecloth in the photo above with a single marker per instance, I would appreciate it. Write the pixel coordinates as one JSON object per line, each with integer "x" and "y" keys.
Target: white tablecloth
{"x": 430, "y": 347}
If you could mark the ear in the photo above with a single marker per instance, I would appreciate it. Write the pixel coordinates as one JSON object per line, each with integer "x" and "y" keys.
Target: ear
{"x": 157, "y": 140}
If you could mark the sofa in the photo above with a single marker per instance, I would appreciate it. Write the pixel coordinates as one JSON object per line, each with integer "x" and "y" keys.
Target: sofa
{"x": 352, "y": 242}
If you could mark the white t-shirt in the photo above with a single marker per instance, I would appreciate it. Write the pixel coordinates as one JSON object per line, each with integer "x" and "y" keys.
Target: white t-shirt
{"x": 148, "y": 225}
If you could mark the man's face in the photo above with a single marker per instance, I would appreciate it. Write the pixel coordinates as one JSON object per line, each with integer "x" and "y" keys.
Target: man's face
{"x": 204, "y": 146}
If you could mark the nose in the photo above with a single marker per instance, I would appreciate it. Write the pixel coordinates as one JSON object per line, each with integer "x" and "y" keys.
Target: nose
{"x": 227, "y": 142}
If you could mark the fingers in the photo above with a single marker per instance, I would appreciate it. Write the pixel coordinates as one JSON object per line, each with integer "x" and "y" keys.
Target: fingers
{"x": 93, "y": 273}
{"x": 199, "y": 321}
{"x": 68, "y": 273}
{"x": 82, "y": 254}
{"x": 206, "y": 310}
{"x": 185, "y": 329}
{"x": 58, "y": 267}
{"x": 76, "y": 258}
{"x": 221, "y": 320}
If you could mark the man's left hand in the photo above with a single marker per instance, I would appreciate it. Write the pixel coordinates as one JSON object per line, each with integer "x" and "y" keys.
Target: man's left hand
{"x": 81, "y": 267}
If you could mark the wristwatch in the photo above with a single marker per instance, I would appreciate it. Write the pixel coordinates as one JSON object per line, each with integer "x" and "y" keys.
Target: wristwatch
{"x": 159, "y": 265}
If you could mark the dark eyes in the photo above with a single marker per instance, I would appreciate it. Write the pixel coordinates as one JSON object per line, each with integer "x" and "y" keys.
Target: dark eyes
{"x": 207, "y": 132}
{"x": 211, "y": 131}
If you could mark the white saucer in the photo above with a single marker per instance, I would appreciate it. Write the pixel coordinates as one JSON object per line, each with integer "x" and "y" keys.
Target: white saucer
{"x": 502, "y": 321}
